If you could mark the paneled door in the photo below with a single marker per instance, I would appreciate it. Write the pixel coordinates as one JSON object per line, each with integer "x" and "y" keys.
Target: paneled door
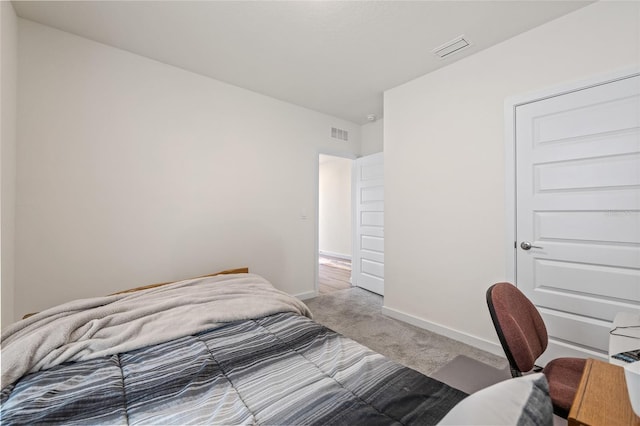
{"x": 368, "y": 244}
{"x": 578, "y": 211}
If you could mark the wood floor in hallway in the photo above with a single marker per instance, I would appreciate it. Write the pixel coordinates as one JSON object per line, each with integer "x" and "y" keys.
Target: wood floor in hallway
{"x": 334, "y": 274}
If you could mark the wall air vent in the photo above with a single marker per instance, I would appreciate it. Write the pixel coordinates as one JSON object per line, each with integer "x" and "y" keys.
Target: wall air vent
{"x": 451, "y": 47}
{"x": 340, "y": 134}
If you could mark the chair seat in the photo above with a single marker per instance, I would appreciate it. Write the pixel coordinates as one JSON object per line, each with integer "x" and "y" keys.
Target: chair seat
{"x": 563, "y": 375}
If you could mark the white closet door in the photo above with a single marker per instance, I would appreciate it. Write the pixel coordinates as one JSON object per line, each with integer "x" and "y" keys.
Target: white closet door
{"x": 578, "y": 212}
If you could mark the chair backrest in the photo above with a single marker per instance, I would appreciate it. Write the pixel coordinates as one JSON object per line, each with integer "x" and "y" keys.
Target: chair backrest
{"x": 519, "y": 325}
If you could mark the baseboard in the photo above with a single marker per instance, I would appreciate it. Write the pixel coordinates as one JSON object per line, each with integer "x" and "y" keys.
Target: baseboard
{"x": 332, "y": 254}
{"x": 460, "y": 336}
{"x": 307, "y": 295}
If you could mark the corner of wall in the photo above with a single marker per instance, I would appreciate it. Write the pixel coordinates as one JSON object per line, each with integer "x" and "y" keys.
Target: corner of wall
{"x": 8, "y": 80}
{"x": 372, "y": 137}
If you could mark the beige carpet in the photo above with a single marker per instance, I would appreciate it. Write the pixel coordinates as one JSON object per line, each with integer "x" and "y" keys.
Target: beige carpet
{"x": 356, "y": 313}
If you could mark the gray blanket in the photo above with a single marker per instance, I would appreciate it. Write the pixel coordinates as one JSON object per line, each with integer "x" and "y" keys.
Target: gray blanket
{"x": 98, "y": 327}
{"x": 282, "y": 369}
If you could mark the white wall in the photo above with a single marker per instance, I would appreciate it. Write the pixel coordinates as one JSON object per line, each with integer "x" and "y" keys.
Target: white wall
{"x": 334, "y": 220}
{"x": 131, "y": 172}
{"x": 372, "y": 137}
{"x": 8, "y": 83}
{"x": 445, "y": 224}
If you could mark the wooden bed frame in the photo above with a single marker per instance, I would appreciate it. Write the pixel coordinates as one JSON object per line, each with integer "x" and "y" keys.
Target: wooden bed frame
{"x": 244, "y": 270}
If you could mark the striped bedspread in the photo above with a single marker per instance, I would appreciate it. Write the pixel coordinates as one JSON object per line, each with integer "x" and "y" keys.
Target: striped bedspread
{"x": 282, "y": 369}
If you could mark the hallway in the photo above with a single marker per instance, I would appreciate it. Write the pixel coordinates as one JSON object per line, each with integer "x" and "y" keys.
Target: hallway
{"x": 334, "y": 274}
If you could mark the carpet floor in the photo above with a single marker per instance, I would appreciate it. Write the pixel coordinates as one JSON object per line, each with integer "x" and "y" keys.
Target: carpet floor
{"x": 357, "y": 314}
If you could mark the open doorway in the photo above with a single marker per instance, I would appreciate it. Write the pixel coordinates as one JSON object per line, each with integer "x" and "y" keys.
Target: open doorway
{"x": 334, "y": 223}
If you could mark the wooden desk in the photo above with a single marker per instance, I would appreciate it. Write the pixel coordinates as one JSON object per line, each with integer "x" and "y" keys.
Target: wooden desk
{"x": 602, "y": 397}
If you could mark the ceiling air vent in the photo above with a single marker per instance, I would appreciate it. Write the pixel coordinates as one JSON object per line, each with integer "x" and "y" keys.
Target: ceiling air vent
{"x": 340, "y": 134}
{"x": 451, "y": 47}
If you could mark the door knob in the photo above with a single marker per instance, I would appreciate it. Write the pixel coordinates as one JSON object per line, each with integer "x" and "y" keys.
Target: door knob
{"x": 526, "y": 245}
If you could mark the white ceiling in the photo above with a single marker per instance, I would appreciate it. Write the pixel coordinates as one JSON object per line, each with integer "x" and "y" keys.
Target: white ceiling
{"x": 336, "y": 57}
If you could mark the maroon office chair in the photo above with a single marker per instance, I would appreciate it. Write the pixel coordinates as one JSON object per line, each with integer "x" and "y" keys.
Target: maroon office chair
{"x": 524, "y": 338}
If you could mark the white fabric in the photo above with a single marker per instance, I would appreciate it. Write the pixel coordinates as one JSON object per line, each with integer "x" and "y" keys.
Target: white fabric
{"x": 91, "y": 328}
{"x": 509, "y": 402}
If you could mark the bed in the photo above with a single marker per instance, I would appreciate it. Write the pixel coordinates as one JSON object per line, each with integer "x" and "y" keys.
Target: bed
{"x": 224, "y": 349}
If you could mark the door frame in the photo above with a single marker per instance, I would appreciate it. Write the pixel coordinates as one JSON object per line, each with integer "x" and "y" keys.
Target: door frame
{"x": 510, "y": 106}
{"x": 348, "y": 156}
